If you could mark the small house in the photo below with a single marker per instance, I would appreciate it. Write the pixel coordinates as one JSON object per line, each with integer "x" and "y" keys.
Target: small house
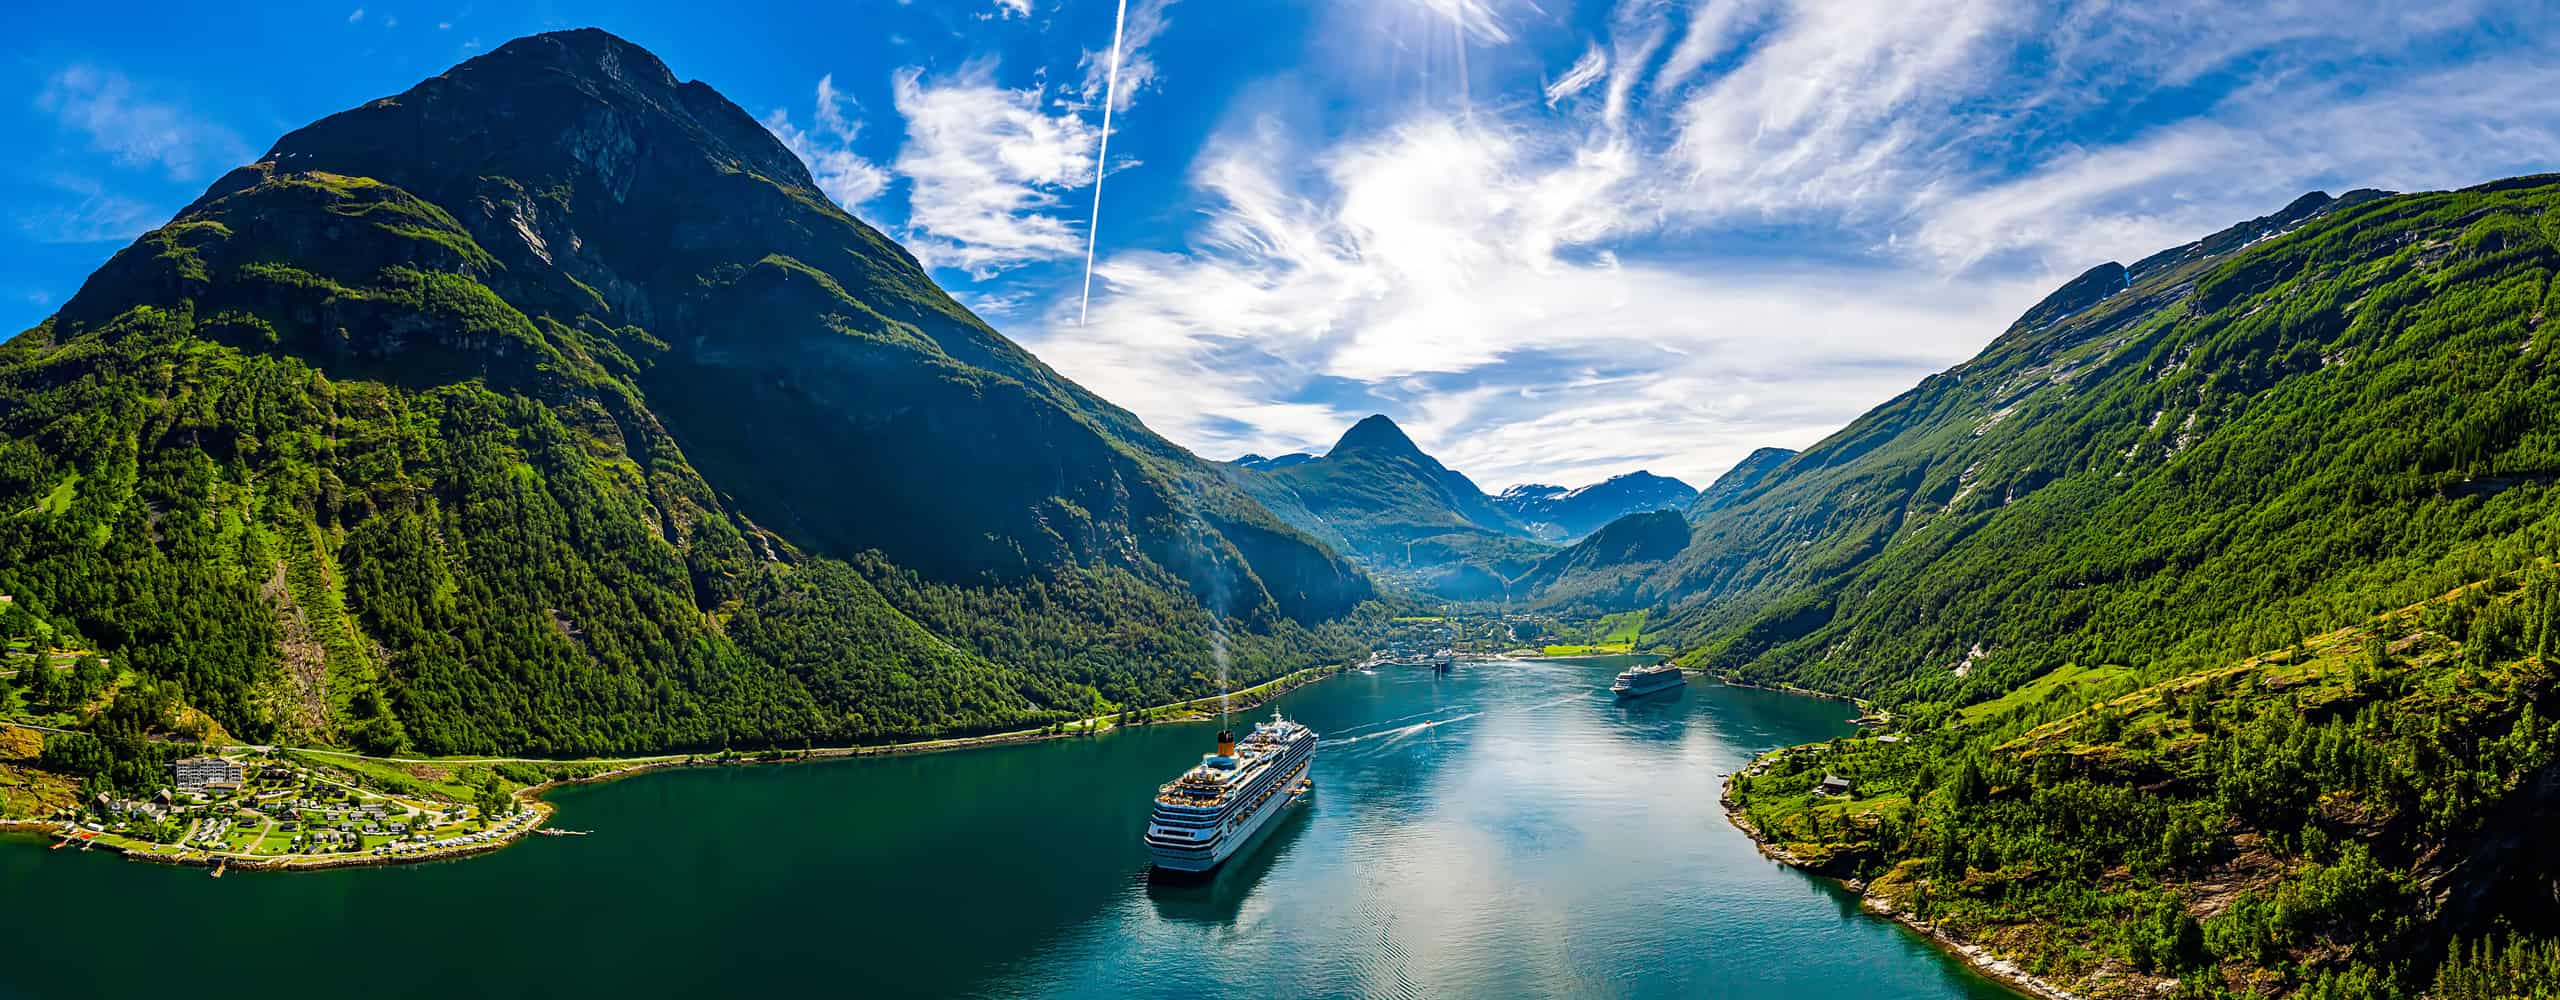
{"x": 1833, "y": 784}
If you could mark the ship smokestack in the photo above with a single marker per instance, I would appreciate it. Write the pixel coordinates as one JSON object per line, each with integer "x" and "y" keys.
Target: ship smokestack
{"x": 1226, "y": 743}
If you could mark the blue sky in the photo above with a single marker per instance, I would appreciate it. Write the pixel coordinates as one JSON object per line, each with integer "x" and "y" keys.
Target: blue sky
{"x": 1555, "y": 240}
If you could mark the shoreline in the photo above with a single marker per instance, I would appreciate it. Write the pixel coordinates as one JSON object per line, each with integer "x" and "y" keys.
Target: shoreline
{"x": 1867, "y": 714}
{"x": 531, "y": 796}
{"x": 1976, "y": 957}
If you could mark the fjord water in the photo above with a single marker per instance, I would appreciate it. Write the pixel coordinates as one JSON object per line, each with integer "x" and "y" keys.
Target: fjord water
{"x": 1507, "y": 831}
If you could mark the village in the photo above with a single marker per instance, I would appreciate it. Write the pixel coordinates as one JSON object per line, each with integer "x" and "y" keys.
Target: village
{"x": 258, "y": 809}
{"x": 1482, "y": 633}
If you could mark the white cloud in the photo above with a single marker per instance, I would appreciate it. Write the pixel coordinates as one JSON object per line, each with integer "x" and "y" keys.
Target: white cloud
{"x": 355, "y": 15}
{"x": 1137, "y": 69}
{"x": 135, "y": 130}
{"x": 91, "y": 214}
{"x": 1714, "y": 28}
{"x": 1009, "y": 8}
{"x": 985, "y": 166}
{"x": 1824, "y": 112}
{"x": 1557, "y": 288}
{"x": 843, "y": 174}
{"x": 1579, "y": 77}
{"x": 1451, "y": 269}
{"x": 1474, "y": 18}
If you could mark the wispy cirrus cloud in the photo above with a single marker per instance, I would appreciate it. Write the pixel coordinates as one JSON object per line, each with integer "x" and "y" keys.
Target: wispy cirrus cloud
{"x": 86, "y": 212}
{"x": 117, "y": 118}
{"x": 1588, "y": 70}
{"x": 1138, "y": 71}
{"x": 846, "y": 176}
{"x": 986, "y": 168}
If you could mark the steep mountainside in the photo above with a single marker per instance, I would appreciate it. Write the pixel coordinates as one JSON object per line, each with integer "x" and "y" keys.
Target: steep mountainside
{"x": 1399, "y": 512}
{"x": 1557, "y": 514}
{"x": 2258, "y": 436}
{"x": 1603, "y": 570}
{"x": 1739, "y": 481}
{"x": 549, "y": 407}
{"x": 2213, "y": 607}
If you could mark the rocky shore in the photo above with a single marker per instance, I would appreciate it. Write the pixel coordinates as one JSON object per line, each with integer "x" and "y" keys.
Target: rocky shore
{"x": 1981, "y": 959}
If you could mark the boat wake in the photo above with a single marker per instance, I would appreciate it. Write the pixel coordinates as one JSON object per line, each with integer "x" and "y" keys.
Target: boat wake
{"x": 1355, "y": 730}
{"x": 1402, "y": 731}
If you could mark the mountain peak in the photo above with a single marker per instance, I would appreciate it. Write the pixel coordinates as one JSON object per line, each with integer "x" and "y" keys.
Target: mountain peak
{"x": 591, "y": 50}
{"x": 1374, "y": 433}
{"x": 580, "y": 113}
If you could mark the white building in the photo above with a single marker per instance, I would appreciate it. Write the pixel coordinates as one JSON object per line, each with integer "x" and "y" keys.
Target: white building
{"x": 201, "y": 772}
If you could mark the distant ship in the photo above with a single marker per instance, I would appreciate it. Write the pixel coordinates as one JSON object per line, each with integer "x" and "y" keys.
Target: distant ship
{"x": 1444, "y": 662}
{"x": 1213, "y": 810}
{"x": 1638, "y": 682}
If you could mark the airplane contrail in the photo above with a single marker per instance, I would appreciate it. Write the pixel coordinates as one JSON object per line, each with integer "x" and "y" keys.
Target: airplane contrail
{"x": 1110, "y": 96}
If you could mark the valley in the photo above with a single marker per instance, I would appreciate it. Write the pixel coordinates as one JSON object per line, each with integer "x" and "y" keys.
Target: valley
{"x": 553, "y": 421}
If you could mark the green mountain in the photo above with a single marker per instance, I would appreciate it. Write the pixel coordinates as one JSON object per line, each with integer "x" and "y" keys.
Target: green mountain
{"x": 1376, "y": 496}
{"x": 1606, "y": 567}
{"x": 2286, "y": 427}
{"x": 1739, "y": 480}
{"x": 2211, "y": 604}
{"x": 548, "y": 407}
{"x": 1558, "y": 514}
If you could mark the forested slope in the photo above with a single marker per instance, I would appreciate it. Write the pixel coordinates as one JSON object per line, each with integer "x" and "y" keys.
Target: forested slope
{"x": 2362, "y": 813}
{"x": 2284, "y": 428}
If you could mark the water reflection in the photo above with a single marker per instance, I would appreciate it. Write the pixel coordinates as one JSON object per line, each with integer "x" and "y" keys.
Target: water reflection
{"x": 1215, "y": 899}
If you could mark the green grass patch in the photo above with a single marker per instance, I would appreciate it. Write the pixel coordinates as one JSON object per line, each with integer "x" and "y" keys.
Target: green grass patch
{"x": 1588, "y": 649}
{"x": 2070, "y": 682}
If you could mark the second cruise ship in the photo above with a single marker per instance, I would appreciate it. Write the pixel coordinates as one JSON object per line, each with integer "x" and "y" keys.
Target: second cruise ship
{"x": 1638, "y": 682}
{"x": 1213, "y": 810}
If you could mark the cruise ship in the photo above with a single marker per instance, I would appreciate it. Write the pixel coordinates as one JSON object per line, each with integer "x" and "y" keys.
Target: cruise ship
{"x": 1213, "y": 810}
{"x": 1638, "y": 682}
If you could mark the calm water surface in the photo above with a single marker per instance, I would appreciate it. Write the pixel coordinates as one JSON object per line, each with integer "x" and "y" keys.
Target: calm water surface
{"x": 1506, "y": 832}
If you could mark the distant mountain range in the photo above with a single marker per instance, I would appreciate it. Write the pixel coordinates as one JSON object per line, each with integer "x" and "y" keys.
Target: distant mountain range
{"x": 1398, "y": 511}
{"x": 1279, "y": 462}
{"x": 1562, "y": 514}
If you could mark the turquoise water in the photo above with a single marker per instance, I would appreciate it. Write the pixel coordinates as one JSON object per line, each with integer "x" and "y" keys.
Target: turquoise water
{"x": 1509, "y": 831}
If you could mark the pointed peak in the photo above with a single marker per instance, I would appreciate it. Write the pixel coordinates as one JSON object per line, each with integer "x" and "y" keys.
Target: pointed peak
{"x": 586, "y": 53}
{"x": 1374, "y": 433}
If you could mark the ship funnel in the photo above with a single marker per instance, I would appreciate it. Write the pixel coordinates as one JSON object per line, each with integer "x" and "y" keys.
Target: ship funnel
{"x": 1226, "y": 743}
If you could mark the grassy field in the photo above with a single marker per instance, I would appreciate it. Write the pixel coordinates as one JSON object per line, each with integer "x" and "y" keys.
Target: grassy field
{"x": 2066, "y": 687}
{"x": 1616, "y": 633}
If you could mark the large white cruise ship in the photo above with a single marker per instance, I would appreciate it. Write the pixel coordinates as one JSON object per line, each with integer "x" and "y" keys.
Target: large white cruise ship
{"x": 1213, "y": 810}
{"x": 1637, "y": 682}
